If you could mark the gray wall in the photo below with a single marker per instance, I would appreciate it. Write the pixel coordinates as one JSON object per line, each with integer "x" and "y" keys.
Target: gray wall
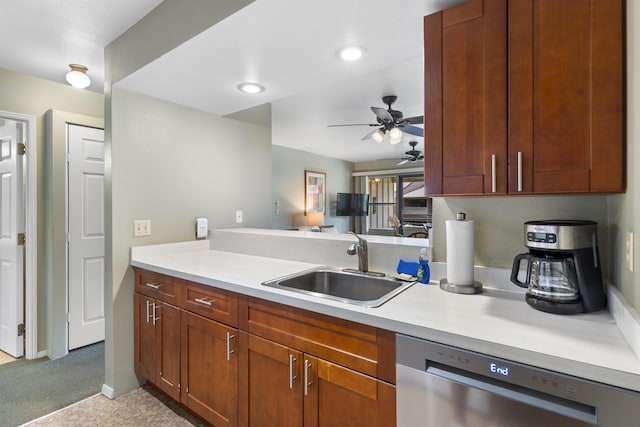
{"x": 498, "y": 222}
{"x": 171, "y": 164}
{"x": 33, "y": 96}
{"x": 288, "y": 185}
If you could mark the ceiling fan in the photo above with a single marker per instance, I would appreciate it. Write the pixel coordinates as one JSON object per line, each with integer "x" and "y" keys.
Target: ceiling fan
{"x": 391, "y": 121}
{"x": 412, "y": 155}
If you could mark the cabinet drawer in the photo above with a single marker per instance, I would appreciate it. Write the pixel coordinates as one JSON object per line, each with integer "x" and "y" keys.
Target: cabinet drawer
{"x": 156, "y": 285}
{"x": 360, "y": 347}
{"x": 210, "y": 302}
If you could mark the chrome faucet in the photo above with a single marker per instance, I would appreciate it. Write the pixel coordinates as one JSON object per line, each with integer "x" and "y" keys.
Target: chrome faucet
{"x": 362, "y": 250}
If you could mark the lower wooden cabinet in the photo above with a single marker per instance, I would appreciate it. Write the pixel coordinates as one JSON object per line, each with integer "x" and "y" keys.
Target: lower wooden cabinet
{"x": 209, "y": 369}
{"x": 157, "y": 338}
{"x": 239, "y": 361}
{"x": 285, "y": 387}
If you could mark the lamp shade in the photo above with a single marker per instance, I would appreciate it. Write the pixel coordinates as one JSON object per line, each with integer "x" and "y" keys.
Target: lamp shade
{"x": 378, "y": 136}
{"x": 77, "y": 77}
{"x": 315, "y": 219}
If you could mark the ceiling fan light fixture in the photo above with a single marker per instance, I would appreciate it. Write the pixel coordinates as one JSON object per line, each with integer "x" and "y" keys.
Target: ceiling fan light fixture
{"x": 351, "y": 53}
{"x": 251, "y": 88}
{"x": 395, "y": 136}
{"x": 77, "y": 77}
{"x": 378, "y": 136}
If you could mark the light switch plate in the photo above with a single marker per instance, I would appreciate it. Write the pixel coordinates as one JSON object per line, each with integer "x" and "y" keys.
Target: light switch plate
{"x": 238, "y": 217}
{"x": 142, "y": 228}
{"x": 629, "y": 251}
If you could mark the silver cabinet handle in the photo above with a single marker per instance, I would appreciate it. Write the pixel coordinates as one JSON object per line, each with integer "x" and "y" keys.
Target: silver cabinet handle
{"x": 229, "y": 351}
{"x": 204, "y": 301}
{"x": 519, "y": 170}
{"x": 154, "y": 314}
{"x": 307, "y": 383}
{"x": 148, "y": 311}
{"x": 153, "y": 285}
{"x": 291, "y": 376}
{"x": 493, "y": 173}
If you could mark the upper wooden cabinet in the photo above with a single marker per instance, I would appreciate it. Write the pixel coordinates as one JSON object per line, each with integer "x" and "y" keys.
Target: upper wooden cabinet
{"x": 524, "y": 97}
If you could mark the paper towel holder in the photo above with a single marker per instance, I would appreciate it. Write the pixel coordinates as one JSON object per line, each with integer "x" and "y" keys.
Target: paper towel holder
{"x": 474, "y": 288}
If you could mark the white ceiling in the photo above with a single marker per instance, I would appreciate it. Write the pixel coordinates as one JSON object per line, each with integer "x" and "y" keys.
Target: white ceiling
{"x": 286, "y": 45}
{"x": 42, "y": 37}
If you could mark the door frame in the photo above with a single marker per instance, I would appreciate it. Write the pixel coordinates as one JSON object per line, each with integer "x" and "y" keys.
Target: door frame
{"x": 31, "y": 231}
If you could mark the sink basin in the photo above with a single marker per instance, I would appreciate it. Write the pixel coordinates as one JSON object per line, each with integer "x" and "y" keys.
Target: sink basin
{"x": 338, "y": 285}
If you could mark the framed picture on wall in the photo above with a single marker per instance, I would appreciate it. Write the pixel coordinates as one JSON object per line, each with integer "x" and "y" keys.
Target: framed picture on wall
{"x": 315, "y": 185}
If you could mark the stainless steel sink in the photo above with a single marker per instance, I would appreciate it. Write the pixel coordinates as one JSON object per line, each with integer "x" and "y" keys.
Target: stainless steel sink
{"x": 338, "y": 285}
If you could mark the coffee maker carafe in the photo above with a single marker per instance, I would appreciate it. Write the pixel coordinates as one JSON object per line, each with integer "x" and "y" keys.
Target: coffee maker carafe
{"x": 563, "y": 273}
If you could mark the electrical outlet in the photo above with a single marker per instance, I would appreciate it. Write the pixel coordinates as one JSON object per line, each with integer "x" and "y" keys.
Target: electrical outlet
{"x": 629, "y": 251}
{"x": 142, "y": 228}
{"x": 238, "y": 217}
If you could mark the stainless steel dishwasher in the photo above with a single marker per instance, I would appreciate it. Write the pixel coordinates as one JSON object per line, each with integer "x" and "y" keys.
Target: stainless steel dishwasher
{"x": 442, "y": 386}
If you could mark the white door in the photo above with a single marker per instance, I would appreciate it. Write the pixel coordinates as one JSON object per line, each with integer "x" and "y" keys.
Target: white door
{"x": 11, "y": 224}
{"x": 85, "y": 215}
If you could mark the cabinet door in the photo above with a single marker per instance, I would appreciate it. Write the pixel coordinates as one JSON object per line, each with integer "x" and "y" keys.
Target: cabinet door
{"x": 341, "y": 397}
{"x": 565, "y": 96}
{"x": 144, "y": 337}
{"x": 167, "y": 331}
{"x": 209, "y": 369}
{"x": 466, "y": 99}
{"x": 271, "y": 384}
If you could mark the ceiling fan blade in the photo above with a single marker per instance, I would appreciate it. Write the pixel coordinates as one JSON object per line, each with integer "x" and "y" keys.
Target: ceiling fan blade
{"x": 369, "y": 135}
{"x": 382, "y": 114}
{"x": 402, "y": 162}
{"x": 354, "y": 124}
{"x": 416, "y": 120}
{"x": 413, "y": 130}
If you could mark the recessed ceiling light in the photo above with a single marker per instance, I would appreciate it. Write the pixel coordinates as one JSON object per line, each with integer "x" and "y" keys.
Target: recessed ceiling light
{"x": 249, "y": 87}
{"x": 351, "y": 53}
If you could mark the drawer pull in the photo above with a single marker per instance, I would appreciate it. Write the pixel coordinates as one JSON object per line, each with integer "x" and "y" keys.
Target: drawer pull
{"x": 153, "y": 285}
{"x": 292, "y": 377}
{"x": 229, "y": 351}
{"x": 307, "y": 383}
{"x": 204, "y": 301}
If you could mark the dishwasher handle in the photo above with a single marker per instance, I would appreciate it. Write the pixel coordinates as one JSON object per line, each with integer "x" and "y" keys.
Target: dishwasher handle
{"x": 540, "y": 400}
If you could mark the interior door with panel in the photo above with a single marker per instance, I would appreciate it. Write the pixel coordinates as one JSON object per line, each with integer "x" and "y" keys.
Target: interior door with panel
{"x": 466, "y": 99}
{"x": 86, "y": 235}
{"x": 11, "y": 226}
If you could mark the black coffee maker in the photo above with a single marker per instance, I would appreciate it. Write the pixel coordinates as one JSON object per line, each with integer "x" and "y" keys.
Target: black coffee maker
{"x": 563, "y": 273}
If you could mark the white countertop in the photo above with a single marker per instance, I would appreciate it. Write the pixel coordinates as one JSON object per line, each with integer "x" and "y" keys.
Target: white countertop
{"x": 496, "y": 322}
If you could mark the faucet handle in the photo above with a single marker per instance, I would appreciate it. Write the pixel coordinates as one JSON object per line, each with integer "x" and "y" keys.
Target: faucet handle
{"x": 360, "y": 239}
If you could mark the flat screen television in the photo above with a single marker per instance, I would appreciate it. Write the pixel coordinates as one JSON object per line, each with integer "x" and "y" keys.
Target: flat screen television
{"x": 352, "y": 204}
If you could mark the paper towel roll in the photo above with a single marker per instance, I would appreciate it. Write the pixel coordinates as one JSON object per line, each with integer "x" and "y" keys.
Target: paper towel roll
{"x": 459, "y": 252}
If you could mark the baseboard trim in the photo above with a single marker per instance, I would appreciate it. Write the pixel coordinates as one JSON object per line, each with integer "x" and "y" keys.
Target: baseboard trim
{"x": 108, "y": 391}
{"x": 626, "y": 317}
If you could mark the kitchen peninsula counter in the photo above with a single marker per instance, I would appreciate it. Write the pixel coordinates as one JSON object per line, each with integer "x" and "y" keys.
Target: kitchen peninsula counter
{"x": 497, "y": 322}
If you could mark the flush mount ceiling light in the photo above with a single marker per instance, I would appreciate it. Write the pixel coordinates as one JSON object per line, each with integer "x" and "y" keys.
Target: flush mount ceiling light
{"x": 77, "y": 77}
{"x": 351, "y": 53}
{"x": 249, "y": 87}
